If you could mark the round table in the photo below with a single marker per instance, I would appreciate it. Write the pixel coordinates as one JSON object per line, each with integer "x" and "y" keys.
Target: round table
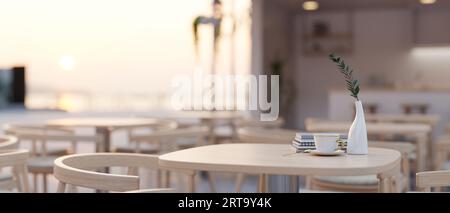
{"x": 281, "y": 159}
{"x": 103, "y": 126}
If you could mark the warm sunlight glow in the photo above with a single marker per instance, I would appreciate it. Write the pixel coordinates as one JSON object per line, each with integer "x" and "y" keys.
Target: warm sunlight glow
{"x": 70, "y": 102}
{"x": 310, "y": 5}
{"x": 427, "y": 1}
{"x": 139, "y": 45}
{"x": 67, "y": 63}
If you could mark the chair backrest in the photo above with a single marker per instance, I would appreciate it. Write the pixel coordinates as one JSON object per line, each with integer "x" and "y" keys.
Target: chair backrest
{"x": 405, "y": 148}
{"x": 426, "y": 180}
{"x": 263, "y": 135}
{"x": 251, "y": 122}
{"x": 169, "y": 134}
{"x": 43, "y": 134}
{"x": 17, "y": 160}
{"x": 8, "y": 142}
{"x": 78, "y": 170}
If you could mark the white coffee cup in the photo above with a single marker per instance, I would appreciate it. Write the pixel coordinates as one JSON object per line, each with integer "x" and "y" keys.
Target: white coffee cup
{"x": 326, "y": 142}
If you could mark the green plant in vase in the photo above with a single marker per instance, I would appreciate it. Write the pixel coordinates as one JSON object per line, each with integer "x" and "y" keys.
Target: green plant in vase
{"x": 357, "y": 135}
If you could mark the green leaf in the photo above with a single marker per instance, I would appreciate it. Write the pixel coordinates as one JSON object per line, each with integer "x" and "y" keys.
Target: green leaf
{"x": 351, "y": 83}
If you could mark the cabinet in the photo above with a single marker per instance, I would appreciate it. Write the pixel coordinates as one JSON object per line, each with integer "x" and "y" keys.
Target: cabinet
{"x": 431, "y": 27}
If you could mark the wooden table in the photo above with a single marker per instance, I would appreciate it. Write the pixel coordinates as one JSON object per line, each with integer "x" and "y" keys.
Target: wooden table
{"x": 402, "y": 118}
{"x": 103, "y": 126}
{"x": 280, "y": 159}
{"x": 429, "y": 119}
{"x": 419, "y": 132}
{"x": 209, "y": 118}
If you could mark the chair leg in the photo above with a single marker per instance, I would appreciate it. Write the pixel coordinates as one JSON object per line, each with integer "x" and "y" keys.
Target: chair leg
{"x": 61, "y": 187}
{"x": 262, "y": 183}
{"x": 167, "y": 181}
{"x": 72, "y": 188}
{"x": 44, "y": 181}
{"x": 212, "y": 182}
{"x": 25, "y": 184}
{"x": 17, "y": 178}
{"x": 35, "y": 183}
{"x": 240, "y": 181}
{"x": 158, "y": 179}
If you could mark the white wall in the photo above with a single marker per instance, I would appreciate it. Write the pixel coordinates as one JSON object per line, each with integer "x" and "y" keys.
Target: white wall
{"x": 383, "y": 46}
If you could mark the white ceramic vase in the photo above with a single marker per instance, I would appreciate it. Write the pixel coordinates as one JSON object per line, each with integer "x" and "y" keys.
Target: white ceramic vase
{"x": 357, "y": 136}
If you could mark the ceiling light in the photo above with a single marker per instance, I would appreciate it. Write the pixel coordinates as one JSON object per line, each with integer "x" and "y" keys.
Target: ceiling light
{"x": 312, "y": 5}
{"x": 427, "y": 1}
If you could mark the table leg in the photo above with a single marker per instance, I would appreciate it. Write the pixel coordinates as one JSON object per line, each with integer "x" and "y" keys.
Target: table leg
{"x": 105, "y": 145}
{"x": 211, "y": 135}
{"x": 384, "y": 185}
{"x": 191, "y": 182}
{"x": 421, "y": 153}
{"x": 386, "y": 180}
{"x": 262, "y": 183}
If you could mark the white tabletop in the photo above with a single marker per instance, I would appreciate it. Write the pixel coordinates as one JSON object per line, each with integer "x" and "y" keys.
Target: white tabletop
{"x": 278, "y": 159}
{"x": 102, "y": 122}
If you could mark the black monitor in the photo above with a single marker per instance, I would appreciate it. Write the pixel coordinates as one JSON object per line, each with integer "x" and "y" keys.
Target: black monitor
{"x": 12, "y": 87}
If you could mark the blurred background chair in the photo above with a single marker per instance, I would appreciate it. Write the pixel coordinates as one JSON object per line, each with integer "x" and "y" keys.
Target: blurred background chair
{"x": 366, "y": 183}
{"x": 7, "y": 179}
{"x": 42, "y": 154}
{"x": 170, "y": 139}
{"x": 425, "y": 181}
{"x": 16, "y": 160}
{"x": 151, "y": 147}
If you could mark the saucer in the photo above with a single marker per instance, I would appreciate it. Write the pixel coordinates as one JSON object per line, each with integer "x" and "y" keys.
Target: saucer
{"x": 335, "y": 153}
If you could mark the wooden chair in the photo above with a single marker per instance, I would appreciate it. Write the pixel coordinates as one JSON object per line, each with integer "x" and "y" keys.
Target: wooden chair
{"x": 427, "y": 180}
{"x": 263, "y": 135}
{"x": 7, "y": 179}
{"x": 169, "y": 140}
{"x": 252, "y": 122}
{"x": 8, "y": 142}
{"x": 145, "y": 148}
{"x": 367, "y": 183}
{"x": 442, "y": 151}
{"x": 13, "y": 129}
{"x": 17, "y": 160}
{"x": 78, "y": 170}
{"x": 41, "y": 159}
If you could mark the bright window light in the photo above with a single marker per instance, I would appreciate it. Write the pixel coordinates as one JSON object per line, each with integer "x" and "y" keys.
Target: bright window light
{"x": 431, "y": 51}
{"x": 427, "y": 1}
{"x": 310, "y": 5}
